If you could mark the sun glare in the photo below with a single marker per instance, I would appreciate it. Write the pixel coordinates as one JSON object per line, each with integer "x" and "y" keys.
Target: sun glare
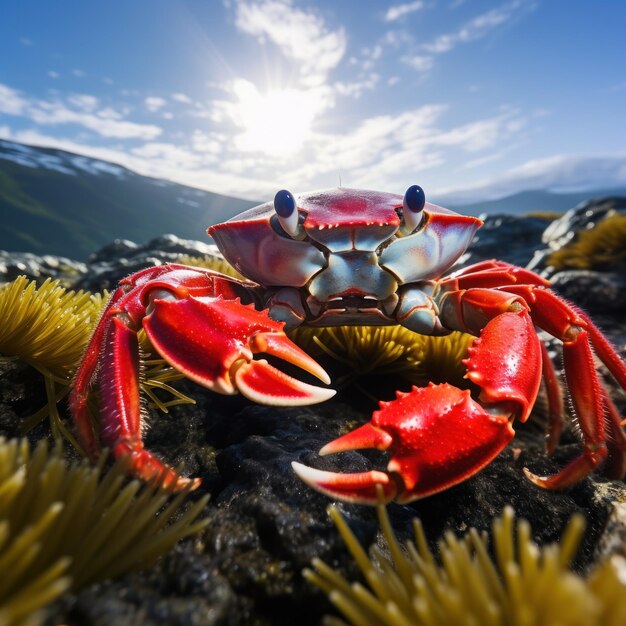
{"x": 277, "y": 122}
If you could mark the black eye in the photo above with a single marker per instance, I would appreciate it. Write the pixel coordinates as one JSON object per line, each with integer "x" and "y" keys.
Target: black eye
{"x": 286, "y": 211}
{"x": 413, "y": 205}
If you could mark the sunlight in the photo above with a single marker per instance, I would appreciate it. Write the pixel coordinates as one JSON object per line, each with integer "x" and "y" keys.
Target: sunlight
{"x": 277, "y": 122}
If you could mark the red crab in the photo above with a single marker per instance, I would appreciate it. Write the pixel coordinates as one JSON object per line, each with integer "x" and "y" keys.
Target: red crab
{"x": 347, "y": 256}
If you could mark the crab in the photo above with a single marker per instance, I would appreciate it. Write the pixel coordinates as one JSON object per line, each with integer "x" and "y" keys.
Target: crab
{"x": 356, "y": 257}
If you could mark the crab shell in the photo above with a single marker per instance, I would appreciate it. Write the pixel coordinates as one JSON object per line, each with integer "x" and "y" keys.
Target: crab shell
{"x": 352, "y": 246}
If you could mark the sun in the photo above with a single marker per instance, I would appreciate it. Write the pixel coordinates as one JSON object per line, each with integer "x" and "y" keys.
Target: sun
{"x": 277, "y": 122}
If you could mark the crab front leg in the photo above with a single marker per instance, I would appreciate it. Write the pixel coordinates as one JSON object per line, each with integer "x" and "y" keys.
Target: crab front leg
{"x": 197, "y": 323}
{"x": 439, "y": 436}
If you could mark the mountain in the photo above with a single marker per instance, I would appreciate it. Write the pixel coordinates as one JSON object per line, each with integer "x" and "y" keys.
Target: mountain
{"x": 56, "y": 202}
{"x": 531, "y": 201}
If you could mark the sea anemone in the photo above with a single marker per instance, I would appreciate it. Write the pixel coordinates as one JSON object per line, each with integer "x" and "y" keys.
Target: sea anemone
{"x": 601, "y": 248}
{"x": 63, "y": 527}
{"x": 215, "y": 263}
{"x": 390, "y": 350}
{"x": 523, "y": 584}
{"x": 48, "y": 327}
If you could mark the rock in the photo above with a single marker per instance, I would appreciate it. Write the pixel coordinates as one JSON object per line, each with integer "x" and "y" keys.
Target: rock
{"x": 507, "y": 238}
{"x": 122, "y": 258}
{"x": 39, "y": 268}
{"x": 566, "y": 229}
{"x": 585, "y": 216}
{"x": 595, "y": 292}
{"x": 266, "y": 526}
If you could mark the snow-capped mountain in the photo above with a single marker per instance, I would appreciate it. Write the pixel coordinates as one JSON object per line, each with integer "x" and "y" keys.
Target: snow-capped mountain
{"x": 56, "y": 202}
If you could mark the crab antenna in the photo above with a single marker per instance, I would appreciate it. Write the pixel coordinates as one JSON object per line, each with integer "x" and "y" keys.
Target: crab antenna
{"x": 287, "y": 212}
{"x": 413, "y": 206}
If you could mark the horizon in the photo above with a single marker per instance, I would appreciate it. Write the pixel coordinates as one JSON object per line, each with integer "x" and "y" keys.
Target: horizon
{"x": 242, "y": 97}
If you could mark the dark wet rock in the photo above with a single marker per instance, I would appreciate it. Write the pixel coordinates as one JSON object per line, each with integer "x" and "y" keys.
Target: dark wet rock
{"x": 595, "y": 292}
{"x": 34, "y": 267}
{"x": 266, "y": 526}
{"x": 507, "y": 238}
{"x": 585, "y": 216}
{"x": 566, "y": 229}
{"x": 122, "y": 258}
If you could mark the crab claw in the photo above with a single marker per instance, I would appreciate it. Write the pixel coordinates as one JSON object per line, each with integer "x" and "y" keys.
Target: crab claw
{"x": 359, "y": 487}
{"x": 438, "y": 436}
{"x": 213, "y": 341}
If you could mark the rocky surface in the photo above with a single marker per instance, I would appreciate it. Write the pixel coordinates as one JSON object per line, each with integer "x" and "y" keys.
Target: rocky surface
{"x": 265, "y": 524}
{"x": 596, "y": 290}
{"x": 122, "y": 257}
{"x": 14, "y": 264}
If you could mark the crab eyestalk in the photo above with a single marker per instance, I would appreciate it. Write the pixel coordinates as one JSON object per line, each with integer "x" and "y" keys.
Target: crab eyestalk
{"x": 413, "y": 208}
{"x": 287, "y": 213}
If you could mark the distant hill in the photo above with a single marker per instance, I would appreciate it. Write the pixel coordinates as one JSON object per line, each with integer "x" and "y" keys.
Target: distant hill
{"x": 532, "y": 201}
{"x": 56, "y": 202}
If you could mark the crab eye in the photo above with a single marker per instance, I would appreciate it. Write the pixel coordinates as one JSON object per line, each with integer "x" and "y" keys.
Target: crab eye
{"x": 413, "y": 205}
{"x": 285, "y": 207}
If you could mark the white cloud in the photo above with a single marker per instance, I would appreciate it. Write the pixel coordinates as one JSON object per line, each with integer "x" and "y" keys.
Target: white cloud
{"x": 154, "y": 103}
{"x": 397, "y": 11}
{"x": 301, "y": 36}
{"x": 11, "y": 102}
{"x": 483, "y": 134}
{"x": 477, "y": 27}
{"x": 80, "y": 109}
{"x": 210, "y": 143}
{"x": 560, "y": 173}
{"x": 25, "y": 41}
{"x": 78, "y": 73}
{"x": 57, "y": 113}
{"x": 84, "y": 102}
{"x": 53, "y": 74}
{"x": 356, "y": 88}
{"x": 419, "y": 62}
{"x": 181, "y": 97}
{"x": 385, "y": 151}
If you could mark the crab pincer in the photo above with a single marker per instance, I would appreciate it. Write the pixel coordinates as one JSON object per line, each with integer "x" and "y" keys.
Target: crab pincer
{"x": 197, "y": 323}
{"x": 440, "y": 435}
{"x": 216, "y": 344}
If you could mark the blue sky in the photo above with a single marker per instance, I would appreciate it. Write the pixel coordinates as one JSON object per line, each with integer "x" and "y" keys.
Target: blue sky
{"x": 469, "y": 98}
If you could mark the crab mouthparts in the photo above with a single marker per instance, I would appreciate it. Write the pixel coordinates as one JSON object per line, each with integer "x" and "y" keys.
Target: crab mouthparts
{"x": 353, "y": 302}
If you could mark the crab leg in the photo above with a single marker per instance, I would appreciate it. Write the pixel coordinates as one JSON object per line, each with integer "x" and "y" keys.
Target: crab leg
{"x": 79, "y": 394}
{"x": 589, "y": 407}
{"x": 121, "y": 408}
{"x": 555, "y": 400}
{"x": 616, "y": 441}
{"x": 439, "y": 436}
